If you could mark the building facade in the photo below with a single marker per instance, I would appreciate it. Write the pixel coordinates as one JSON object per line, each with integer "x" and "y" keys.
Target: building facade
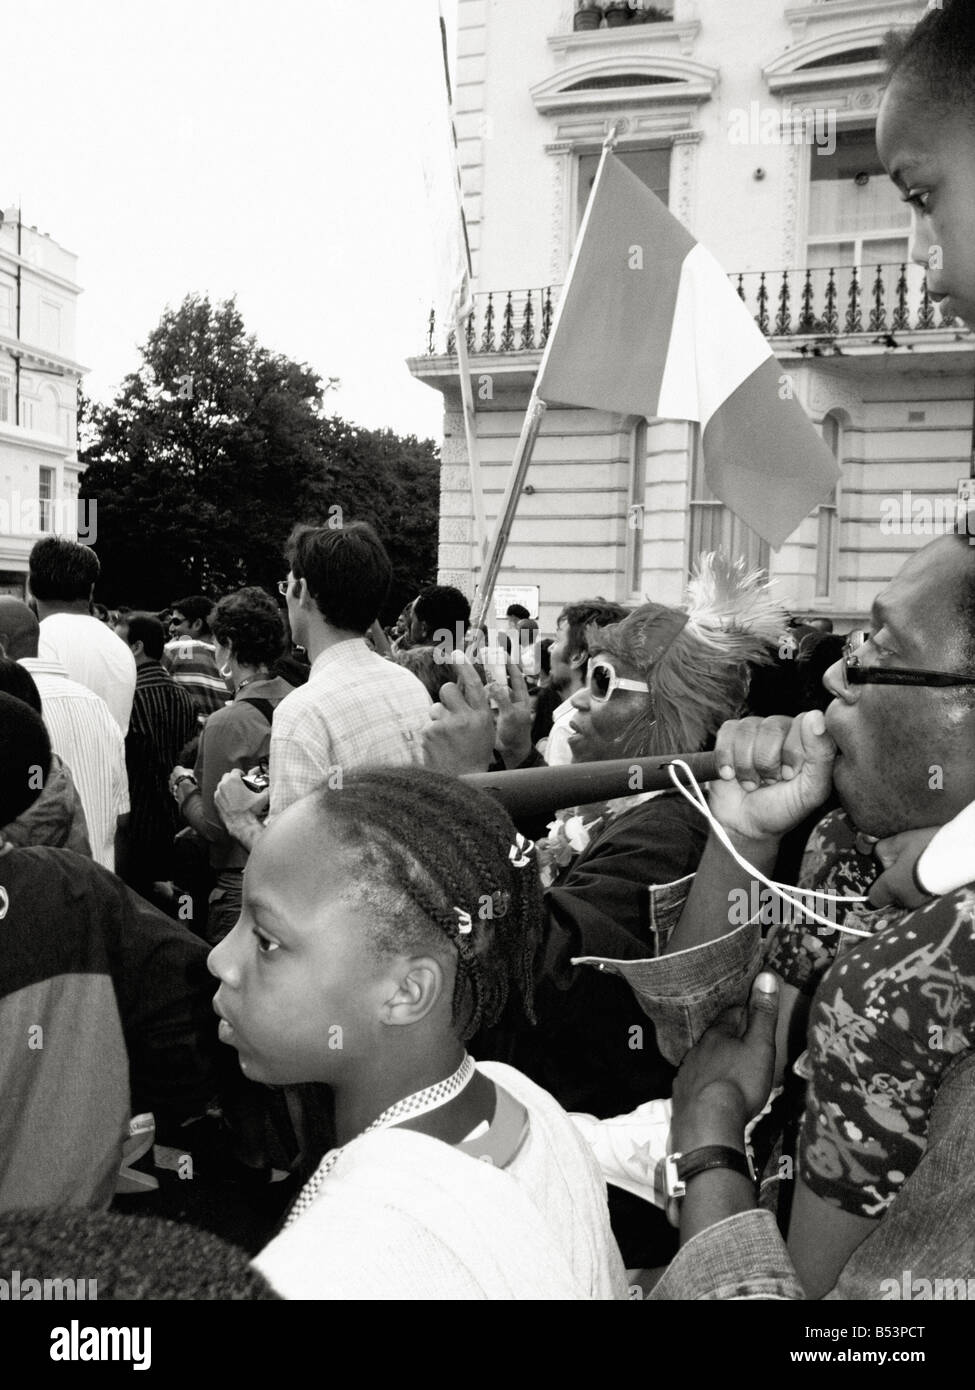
{"x": 39, "y": 380}
{"x": 754, "y": 122}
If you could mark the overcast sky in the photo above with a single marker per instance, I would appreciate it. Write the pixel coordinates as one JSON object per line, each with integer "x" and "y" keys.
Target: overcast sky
{"x": 270, "y": 150}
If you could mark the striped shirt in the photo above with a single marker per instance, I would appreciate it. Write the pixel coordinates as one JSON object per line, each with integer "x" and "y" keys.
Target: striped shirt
{"x": 163, "y": 722}
{"x": 356, "y": 709}
{"x": 86, "y": 737}
{"x": 193, "y": 665}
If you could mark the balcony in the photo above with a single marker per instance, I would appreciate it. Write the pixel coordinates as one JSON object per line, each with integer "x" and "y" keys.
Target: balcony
{"x": 619, "y": 14}
{"x": 818, "y": 312}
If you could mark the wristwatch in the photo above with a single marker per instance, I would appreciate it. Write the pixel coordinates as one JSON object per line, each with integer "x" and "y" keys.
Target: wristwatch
{"x": 680, "y": 1168}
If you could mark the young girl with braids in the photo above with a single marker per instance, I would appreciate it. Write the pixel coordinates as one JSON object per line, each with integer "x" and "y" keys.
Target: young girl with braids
{"x": 382, "y": 925}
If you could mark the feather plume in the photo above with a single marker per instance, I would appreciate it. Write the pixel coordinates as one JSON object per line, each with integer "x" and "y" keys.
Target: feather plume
{"x": 724, "y": 597}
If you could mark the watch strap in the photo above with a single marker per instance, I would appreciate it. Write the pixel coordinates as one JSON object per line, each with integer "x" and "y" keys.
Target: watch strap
{"x": 702, "y": 1160}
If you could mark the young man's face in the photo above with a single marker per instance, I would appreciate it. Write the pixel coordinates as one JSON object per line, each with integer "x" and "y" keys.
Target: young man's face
{"x": 302, "y": 989}
{"x": 180, "y": 625}
{"x": 930, "y": 155}
{"x": 567, "y": 668}
{"x": 907, "y": 753}
{"x": 297, "y": 617}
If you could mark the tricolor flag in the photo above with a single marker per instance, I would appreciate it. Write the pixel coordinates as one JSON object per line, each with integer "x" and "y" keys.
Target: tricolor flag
{"x": 649, "y": 324}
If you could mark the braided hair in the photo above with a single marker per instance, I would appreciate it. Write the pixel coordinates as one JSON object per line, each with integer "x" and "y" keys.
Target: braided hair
{"x": 442, "y": 864}
{"x": 938, "y": 56}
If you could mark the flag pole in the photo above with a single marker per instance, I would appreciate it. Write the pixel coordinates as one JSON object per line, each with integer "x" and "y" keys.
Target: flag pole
{"x": 530, "y": 429}
{"x": 460, "y": 330}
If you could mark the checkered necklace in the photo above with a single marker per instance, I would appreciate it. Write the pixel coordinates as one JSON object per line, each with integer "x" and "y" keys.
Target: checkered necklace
{"x": 409, "y": 1107}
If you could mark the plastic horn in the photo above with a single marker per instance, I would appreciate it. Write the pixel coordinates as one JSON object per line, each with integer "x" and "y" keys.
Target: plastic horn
{"x": 537, "y": 790}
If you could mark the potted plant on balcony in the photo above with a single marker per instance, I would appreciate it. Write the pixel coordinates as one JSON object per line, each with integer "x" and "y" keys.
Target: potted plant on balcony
{"x": 589, "y": 14}
{"x": 650, "y": 14}
{"x": 617, "y": 13}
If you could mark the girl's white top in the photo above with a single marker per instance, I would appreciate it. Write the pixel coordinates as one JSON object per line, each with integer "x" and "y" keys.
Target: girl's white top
{"x": 406, "y": 1216}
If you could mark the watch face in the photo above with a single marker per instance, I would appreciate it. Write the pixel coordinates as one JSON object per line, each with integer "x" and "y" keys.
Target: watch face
{"x": 673, "y": 1187}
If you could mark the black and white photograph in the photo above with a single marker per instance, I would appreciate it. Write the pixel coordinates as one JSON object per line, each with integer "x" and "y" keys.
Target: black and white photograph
{"x": 487, "y": 670}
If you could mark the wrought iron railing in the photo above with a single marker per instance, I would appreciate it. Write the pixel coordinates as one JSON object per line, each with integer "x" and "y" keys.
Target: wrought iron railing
{"x": 839, "y": 301}
{"x": 842, "y": 300}
{"x": 502, "y": 321}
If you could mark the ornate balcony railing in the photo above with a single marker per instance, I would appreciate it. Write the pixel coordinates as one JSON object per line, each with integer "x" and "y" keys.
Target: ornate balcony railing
{"x": 502, "y": 321}
{"x": 871, "y": 302}
{"x": 841, "y": 300}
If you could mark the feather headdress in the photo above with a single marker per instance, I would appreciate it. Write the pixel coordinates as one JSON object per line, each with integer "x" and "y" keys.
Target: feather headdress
{"x": 696, "y": 660}
{"x": 726, "y": 601}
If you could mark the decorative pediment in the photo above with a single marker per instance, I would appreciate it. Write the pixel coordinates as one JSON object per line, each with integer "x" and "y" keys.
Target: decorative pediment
{"x": 845, "y": 55}
{"x": 624, "y": 80}
{"x": 820, "y": 14}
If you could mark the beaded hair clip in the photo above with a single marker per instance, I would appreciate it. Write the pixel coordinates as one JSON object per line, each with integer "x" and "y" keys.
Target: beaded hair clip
{"x": 520, "y": 851}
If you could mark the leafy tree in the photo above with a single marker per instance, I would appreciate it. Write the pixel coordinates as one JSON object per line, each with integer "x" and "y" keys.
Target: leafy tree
{"x": 215, "y": 447}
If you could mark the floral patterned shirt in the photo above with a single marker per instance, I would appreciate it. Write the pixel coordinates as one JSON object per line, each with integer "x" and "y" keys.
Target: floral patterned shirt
{"x": 890, "y": 1013}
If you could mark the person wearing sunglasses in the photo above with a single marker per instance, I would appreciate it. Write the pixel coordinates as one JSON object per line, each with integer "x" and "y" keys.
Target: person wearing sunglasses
{"x": 882, "y": 1014}
{"x": 661, "y": 680}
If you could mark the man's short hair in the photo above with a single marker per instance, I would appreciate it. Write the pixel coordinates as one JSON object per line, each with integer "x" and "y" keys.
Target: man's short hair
{"x": 62, "y": 571}
{"x": 347, "y": 571}
{"x": 147, "y": 629}
{"x": 442, "y": 607}
{"x": 589, "y": 612}
{"x": 195, "y": 608}
{"x": 517, "y": 610}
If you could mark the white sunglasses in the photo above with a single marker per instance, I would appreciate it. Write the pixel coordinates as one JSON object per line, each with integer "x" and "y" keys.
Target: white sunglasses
{"x": 603, "y": 680}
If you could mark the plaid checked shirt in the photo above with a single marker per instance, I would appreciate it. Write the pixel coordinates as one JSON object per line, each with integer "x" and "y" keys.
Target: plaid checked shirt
{"x": 356, "y": 709}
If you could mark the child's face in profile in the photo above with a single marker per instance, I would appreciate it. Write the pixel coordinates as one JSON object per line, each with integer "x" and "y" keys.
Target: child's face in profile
{"x": 302, "y": 990}
{"x": 930, "y": 155}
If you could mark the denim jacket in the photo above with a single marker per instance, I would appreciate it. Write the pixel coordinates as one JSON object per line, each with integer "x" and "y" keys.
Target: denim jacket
{"x": 683, "y": 993}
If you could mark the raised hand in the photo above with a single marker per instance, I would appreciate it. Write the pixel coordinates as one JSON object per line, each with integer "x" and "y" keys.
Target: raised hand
{"x": 512, "y": 735}
{"x": 772, "y": 773}
{"x": 460, "y": 736}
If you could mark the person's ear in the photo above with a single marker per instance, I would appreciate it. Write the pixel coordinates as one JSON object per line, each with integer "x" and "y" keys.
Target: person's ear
{"x": 196, "y": 629}
{"x": 578, "y": 659}
{"x": 419, "y": 985}
{"x": 137, "y": 648}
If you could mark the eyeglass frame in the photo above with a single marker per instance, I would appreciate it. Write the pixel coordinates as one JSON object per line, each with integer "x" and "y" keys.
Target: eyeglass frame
{"x": 616, "y": 682}
{"x": 855, "y": 674}
{"x": 283, "y": 587}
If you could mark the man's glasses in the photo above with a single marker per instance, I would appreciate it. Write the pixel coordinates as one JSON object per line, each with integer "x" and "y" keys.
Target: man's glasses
{"x": 855, "y": 674}
{"x": 603, "y": 680}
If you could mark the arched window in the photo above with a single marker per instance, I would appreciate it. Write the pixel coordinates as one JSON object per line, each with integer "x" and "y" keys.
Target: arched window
{"x": 49, "y": 411}
{"x": 714, "y": 526}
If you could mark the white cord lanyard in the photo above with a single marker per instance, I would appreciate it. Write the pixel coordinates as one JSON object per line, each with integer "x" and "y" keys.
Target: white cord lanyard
{"x": 696, "y": 797}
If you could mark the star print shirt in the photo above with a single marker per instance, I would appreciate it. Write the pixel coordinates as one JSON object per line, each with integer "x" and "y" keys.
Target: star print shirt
{"x": 890, "y": 1014}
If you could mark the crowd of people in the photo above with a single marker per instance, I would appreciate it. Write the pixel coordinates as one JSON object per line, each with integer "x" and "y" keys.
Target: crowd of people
{"x": 723, "y": 1036}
